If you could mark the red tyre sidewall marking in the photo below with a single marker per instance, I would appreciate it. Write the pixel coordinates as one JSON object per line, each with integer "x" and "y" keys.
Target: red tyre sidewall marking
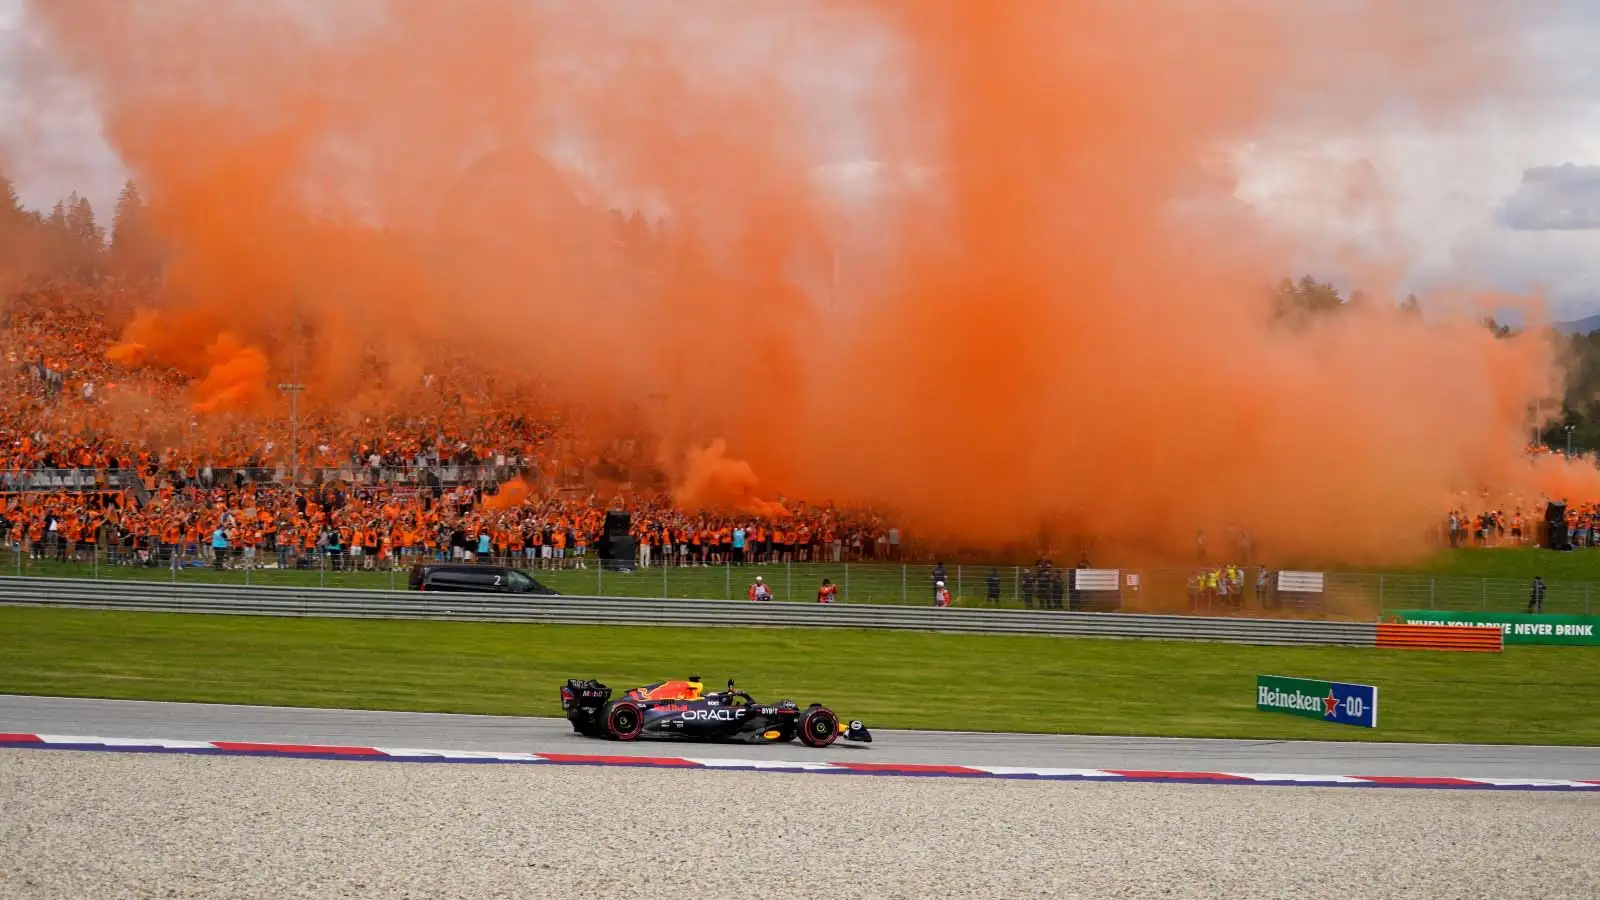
{"x": 638, "y": 721}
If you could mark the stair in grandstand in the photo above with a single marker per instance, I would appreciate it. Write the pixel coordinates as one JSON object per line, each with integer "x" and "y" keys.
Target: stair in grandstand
{"x": 130, "y": 481}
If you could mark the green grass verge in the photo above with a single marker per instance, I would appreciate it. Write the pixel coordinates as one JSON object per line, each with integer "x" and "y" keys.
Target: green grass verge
{"x": 1536, "y": 695}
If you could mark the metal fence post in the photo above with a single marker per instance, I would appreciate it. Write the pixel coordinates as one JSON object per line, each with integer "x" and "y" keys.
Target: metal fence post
{"x": 727, "y": 573}
{"x": 958, "y": 581}
{"x": 1433, "y": 582}
{"x": 903, "y": 595}
{"x": 600, "y": 575}
{"x": 1483, "y": 600}
{"x": 1380, "y": 592}
{"x": 322, "y": 568}
{"x": 788, "y": 580}
{"x": 666, "y": 592}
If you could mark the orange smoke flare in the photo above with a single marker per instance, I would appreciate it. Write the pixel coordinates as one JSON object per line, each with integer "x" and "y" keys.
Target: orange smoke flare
{"x": 235, "y": 379}
{"x": 511, "y": 495}
{"x": 716, "y": 483}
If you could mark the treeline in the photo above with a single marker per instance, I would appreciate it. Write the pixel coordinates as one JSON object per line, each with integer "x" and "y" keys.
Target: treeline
{"x": 69, "y": 240}
{"x": 1300, "y": 303}
{"x": 1580, "y": 408}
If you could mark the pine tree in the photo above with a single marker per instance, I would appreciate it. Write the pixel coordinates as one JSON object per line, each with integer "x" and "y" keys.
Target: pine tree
{"x": 11, "y": 211}
{"x": 81, "y": 224}
{"x": 133, "y": 251}
{"x": 85, "y": 242}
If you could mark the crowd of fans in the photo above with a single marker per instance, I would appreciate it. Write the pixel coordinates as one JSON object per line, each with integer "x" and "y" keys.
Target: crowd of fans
{"x": 99, "y": 459}
{"x": 1519, "y": 527}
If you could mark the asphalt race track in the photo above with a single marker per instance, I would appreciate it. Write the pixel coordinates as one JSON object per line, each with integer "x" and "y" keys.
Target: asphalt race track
{"x": 205, "y": 722}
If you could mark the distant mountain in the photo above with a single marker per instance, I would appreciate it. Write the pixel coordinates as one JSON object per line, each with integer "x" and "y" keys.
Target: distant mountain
{"x": 1579, "y": 326}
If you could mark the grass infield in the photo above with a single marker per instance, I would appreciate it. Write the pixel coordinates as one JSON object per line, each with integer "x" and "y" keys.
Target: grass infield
{"x": 1531, "y": 695}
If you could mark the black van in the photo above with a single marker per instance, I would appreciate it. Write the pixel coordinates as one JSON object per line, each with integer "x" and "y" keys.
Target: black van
{"x": 475, "y": 579}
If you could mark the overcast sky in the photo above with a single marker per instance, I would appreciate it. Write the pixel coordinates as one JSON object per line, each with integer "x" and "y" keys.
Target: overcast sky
{"x": 1508, "y": 198}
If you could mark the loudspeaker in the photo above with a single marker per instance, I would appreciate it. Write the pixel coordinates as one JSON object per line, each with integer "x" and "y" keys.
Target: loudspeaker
{"x": 1555, "y": 524}
{"x": 618, "y": 524}
{"x": 619, "y": 549}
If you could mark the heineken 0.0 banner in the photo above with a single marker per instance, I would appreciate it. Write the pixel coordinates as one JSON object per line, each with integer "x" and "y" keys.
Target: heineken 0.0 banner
{"x": 1517, "y": 628}
{"x": 1328, "y": 701}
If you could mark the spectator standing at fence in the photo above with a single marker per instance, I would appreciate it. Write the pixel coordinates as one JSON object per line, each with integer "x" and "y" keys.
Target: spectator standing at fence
{"x": 219, "y": 547}
{"x": 1536, "y": 596}
{"x": 941, "y": 595}
{"x": 827, "y": 592}
{"x": 939, "y": 577}
{"x": 992, "y": 586}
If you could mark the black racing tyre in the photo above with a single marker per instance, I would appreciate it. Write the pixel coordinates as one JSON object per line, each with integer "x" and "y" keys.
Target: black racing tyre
{"x": 819, "y": 727}
{"x": 624, "y": 721}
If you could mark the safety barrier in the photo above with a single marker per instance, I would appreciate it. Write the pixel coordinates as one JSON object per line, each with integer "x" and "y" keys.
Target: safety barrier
{"x": 275, "y": 601}
{"x": 1482, "y": 639}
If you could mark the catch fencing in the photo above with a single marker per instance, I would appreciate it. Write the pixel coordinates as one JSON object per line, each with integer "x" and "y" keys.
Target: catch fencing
{"x": 1342, "y": 596}
{"x": 277, "y": 601}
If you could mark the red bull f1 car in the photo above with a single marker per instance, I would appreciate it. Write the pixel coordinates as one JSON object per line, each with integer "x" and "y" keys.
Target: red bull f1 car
{"x": 683, "y": 710}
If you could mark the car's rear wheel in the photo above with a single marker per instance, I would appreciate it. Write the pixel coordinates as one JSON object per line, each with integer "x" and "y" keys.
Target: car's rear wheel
{"x": 624, "y": 721}
{"x": 819, "y": 727}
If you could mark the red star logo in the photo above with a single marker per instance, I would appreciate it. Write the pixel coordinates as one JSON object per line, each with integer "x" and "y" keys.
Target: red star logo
{"x": 1330, "y": 703}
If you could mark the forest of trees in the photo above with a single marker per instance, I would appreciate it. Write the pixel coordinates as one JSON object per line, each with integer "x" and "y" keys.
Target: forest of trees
{"x": 1299, "y": 303}
{"x": 69, "y": 242}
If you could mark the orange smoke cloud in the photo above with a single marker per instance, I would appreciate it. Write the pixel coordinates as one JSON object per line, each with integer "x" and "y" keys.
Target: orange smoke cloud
{"x": 1030, "y": 328}
{"x": 235, "y": 377}
{"x": 716, "y": 483}
{"x": 228, "y": 375}
{"x": 512, "y": 494}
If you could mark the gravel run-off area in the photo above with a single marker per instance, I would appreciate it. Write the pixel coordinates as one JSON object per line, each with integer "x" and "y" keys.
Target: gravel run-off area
{"x": 77, "y": 825}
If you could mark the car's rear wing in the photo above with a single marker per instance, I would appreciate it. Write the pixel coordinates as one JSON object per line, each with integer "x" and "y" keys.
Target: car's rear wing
{"x": 583, "y": 694}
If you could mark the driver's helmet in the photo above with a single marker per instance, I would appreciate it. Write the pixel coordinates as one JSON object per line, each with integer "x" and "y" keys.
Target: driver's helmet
{"x": 696, "y": 688}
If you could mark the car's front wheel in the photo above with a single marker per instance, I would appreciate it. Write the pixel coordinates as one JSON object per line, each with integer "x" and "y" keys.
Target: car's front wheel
{"x": 819, "y": 727}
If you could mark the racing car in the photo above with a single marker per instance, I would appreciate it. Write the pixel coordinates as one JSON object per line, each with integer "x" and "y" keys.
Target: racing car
{"x": 683, "y": 710}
